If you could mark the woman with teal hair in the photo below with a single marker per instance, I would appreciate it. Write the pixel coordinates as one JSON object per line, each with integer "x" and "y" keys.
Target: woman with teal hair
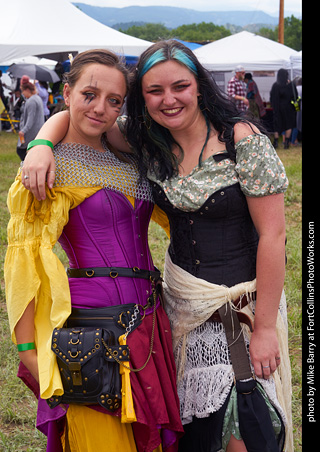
{"x": 218, "y": 178}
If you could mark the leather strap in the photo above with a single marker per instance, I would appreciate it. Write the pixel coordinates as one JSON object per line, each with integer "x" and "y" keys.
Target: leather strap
{"x": 113, "y": 272}
{"x": 238, "y": 350}
{"x": 239, "y": 303}
{"x": 243, "y": 318}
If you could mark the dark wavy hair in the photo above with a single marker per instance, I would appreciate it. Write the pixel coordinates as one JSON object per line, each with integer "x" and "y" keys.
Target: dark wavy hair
{"x": 153, "y": 142}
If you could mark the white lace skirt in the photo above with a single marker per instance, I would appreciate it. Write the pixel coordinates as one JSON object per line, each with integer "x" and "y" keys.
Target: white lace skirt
{"x": 208, "y": 374}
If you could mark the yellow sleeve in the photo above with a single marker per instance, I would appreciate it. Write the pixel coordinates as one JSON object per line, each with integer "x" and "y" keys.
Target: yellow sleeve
{"x": 161, "y": 218}
{"x": 33, "y": 271}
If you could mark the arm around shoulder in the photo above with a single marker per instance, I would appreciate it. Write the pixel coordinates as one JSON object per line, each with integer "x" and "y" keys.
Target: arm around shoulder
{"x": 116, "y": 136}
{"x": 55, "y": 128}
{"x": 39, "y": 165}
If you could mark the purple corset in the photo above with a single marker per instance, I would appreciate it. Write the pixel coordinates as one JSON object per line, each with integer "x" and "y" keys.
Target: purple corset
{"x": 106, "y": 231}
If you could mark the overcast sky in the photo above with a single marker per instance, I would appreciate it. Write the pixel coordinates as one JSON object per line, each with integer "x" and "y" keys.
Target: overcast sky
{"x": 270, "y": 6}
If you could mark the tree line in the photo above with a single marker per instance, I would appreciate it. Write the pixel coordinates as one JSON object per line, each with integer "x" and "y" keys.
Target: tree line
{"x": 207, "y": 32}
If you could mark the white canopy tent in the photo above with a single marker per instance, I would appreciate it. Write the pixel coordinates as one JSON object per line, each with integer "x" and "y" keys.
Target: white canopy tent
{"x": 295, "y": 65}
{"x": 253, "y": 52}
{"x": 28, "y": 59}
{"x": 57, "y": 27}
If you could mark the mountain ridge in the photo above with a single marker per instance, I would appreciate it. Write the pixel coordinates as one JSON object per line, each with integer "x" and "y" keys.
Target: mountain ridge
{"x": 173, "y": 17}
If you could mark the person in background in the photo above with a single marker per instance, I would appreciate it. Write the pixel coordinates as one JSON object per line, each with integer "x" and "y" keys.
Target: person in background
{"x": 296, "y": 135}
{"x": 42, "y": 88}
{"x": 56, "y": 87}
{"x": 99, "y": 210}
{"x": 256, "y": 106}
{"x": 2, "y": 96}
{"x": 3, "y": 124}
{"x": 32, "y": 116}
{"x": 236, "y": 89}
{"x": 299, "y": 113}
{"x": 15, "y": 106}
{"x": 59, "y": 105}
{"x": 283, "y": 93}
{"x": 221, "y": 184}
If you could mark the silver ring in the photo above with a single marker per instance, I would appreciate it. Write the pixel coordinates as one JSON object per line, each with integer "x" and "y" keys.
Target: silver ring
{"x": 51, "y": 172}
{"x": 26, "y": 177}
{"x": 265, "y": 367}
{"x": 278, "y": 357}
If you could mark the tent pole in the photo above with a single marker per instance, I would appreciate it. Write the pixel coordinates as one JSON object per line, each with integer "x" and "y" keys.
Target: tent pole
{"x": 281, "y": 23}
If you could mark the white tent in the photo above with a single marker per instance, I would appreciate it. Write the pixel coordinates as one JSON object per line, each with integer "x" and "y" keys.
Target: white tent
{"x": 30, "y": 60}
{"x": 295, "y": 65}
{"x": 42, "y": 27}
{"x": 253, "y": 52}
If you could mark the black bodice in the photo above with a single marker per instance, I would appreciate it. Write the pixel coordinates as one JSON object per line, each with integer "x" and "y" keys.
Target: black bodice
{"x": 218, "y": 242}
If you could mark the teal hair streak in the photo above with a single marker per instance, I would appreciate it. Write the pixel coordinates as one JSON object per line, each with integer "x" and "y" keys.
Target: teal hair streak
{"x": 157, "y": 57}
{"x": 176, "y": 54}
{"x": 183, "y": 58}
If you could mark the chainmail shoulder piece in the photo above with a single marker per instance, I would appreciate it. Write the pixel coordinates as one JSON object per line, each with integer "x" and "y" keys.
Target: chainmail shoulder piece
{"x": 83, "y": 166}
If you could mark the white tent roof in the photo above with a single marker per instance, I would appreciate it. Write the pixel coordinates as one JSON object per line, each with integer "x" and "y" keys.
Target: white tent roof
{"x": 30, "y": 60}
{"x": 40, "y": 27}
{"x": 253, "y": 52}
{"x": 294, "y": 65}
{"x": 296, "y": 60}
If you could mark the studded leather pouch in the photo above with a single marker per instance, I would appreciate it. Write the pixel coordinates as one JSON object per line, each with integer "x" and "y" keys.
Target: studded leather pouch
{"x": 89, "y": 355}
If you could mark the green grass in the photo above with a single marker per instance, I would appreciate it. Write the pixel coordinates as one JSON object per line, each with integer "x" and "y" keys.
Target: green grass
{"x": 17, "y": 404}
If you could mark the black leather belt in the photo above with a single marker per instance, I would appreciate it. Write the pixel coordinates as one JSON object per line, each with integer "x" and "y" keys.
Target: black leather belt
{"x": 239, "y": 303}
{"x": 113, "y": 272}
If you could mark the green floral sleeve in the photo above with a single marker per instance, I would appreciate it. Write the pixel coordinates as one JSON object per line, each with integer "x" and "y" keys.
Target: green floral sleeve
{"x": 259, "y": 167}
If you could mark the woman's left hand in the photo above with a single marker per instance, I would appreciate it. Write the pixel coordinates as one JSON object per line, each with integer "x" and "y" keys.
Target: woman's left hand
{"x": 264, "y": 352}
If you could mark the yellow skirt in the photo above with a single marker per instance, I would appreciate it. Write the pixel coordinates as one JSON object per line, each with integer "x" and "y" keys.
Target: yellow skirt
{"x": 89, "y": 430}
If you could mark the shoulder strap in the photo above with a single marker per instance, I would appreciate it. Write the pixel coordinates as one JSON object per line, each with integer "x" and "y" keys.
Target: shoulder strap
{"x": 238, "y": 350}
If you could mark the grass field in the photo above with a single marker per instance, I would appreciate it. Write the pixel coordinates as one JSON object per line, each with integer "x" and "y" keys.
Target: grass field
{"x": 17, "y": 404}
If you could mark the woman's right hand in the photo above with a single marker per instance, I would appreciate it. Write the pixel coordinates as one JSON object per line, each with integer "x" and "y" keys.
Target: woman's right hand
{"x": 37, "y": 172}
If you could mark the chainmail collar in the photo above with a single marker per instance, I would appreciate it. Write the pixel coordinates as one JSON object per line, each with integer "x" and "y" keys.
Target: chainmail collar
{"x": 83, "y": 166}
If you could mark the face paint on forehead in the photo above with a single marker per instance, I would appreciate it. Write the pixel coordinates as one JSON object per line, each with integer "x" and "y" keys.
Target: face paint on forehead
{"x": 92, "y": 82}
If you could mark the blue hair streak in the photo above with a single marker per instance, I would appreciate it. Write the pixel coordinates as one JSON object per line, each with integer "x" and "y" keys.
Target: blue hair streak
{"x": 176, "y": 54}
{"x": 183, "y": 58}
{"x": 157, "y": 57}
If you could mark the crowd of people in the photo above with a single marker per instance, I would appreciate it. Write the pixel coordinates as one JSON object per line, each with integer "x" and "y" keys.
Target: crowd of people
{"x": 29, "y": 104}
{"x": 285, "y": 101}
{"x": 212, "y": 341}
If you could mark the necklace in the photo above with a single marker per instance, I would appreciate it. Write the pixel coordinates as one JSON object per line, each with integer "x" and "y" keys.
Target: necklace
{"x": 206, "y": 141}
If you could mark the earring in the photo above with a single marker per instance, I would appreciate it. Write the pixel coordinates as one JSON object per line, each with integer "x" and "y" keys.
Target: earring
{"x": 200, "y": 104}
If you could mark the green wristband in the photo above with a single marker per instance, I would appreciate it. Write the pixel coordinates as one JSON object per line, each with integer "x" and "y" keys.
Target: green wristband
{"x": 39, "y": 141}
{"x": 26, "y": 346}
